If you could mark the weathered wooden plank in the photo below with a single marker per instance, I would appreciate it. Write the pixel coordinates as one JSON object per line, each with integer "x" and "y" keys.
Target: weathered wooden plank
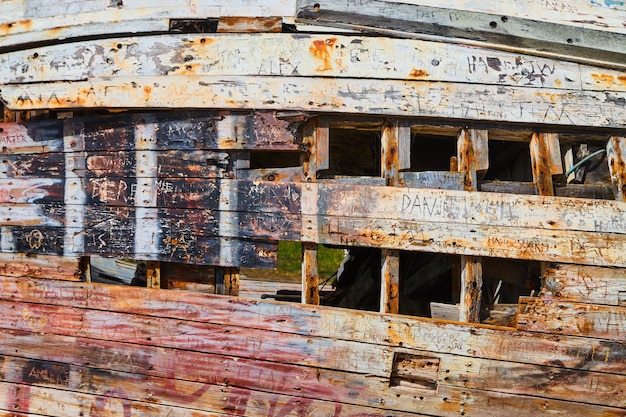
{"x": 443, "y": 180}
{"x": 319, "y": 384}
{"x": 486, "y": 209}
{"x": 364, "y": 96}
{"x": 310, "y": 274}
{"x": 587, "y": 248}
{"x": 616, "y": 151}
{"x": 39, "y": 266}
{"x": 27, "y": 24}
{"x": 182, "y": 131}
{"x": 586, "y": 284}
{"x": 303, "y": 55}
{"x": 236, "y": 341}
{"x": 566, "y": 317}
{"x": 595, "y": 191}
{"x": 178, "y": 397}
{"x": 372, "y": 328}
{"x": 541, "y": 381}
{"x": 542, "y": 163}
{"x": 509, "y": 33}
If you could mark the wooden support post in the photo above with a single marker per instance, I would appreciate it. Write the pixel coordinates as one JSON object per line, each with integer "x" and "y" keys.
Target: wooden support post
{"x": 313, "y": 130}
{"x": 322, "y": 144}
{"x": 310, "y": 275}
{"x": 473, "y": 161}
{"x": 231, "y": 278}
{"x": 85, "y": 267}
{"x": 545, "y": 156}
{"x": 616, "y": 156}
{"x": 395, "y": 156}
{"x": 153, "y": 274}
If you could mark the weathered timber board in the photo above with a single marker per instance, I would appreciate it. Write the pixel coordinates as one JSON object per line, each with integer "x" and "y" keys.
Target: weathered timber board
{"x": 182, "y": 131}
{"x": 566, "y": 317}
{"x": 171, "y": 392}
{"x": 51, "y": 267}
{"x": 300, "y": 55}
{"x": 510, "y": 32}
{"x": 314, "y": 321}
{"x": 365, "y": 96}
{"x": 586, "y": 284}
{"x": 27, "y": 21}
{"x": 184, "y": 384}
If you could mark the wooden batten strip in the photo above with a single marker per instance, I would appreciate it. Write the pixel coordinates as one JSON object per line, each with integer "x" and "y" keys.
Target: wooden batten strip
{"x": 578, "y": 319}
{"x": 370, "y": 328}
{"x": 39, "y": 266}
{"x": 586, "y": 284}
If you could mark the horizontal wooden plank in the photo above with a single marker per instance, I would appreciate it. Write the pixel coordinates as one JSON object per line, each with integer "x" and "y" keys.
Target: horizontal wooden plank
{"x": 27, "y": 24}
{"x": 343, "y": 355}
{"x": 183, "y": 131}
{"x": 318, "y": 385}
{"x": 508, "y": 32}
{"x": 595, "y": 191}
{"x": 538, "y": 381}
{"x": 301, "y": 55}
{"x": 566, "y": 317}
{"x": 494, "y": 241}
{"x": 39, "y": 266}
{"x": 171, "y": 392}
{"x": 381, "y": 97}
{"x": 398, "y": 331}
{"x": 586, "y": 284}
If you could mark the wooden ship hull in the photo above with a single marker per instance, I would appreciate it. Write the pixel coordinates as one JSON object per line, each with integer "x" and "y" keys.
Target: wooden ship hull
{"x": 455, "y": 149}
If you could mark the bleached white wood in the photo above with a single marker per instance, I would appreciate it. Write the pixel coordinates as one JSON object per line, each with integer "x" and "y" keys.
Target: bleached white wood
{"x": 299, "y": 55}
{"x": 501, "y": 30}
{"x": 382, "y": 97}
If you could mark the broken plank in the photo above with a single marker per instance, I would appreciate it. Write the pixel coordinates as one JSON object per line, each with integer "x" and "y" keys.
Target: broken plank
{"x": 586, "y": 284}
{"x": 364, "y": 96}
{"x": 373, "y": 328}
{"x": 567, "y": 317}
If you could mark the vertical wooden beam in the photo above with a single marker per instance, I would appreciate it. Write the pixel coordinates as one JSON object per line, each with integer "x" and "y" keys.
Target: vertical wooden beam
{"x": 395, "y": 156}
{"x": 545, "y": 156}
{"x": 322, "y": 144}
{"x": 313, "y": 130}
{"x": 153, "y": 274}
{"x": 310, "y": 275}
{"x": 473, "y": 162}
{"x": 219, "y": 280}
{"x": 616, "y": 156}
{"x": 231, "y": 281}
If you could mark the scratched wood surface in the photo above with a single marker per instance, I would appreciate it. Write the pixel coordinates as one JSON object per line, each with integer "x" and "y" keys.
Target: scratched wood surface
{"x": 606, "y": 286}
{"x": 566, "y": 317}
{"x": 500, "y": 29}
{"x": 302, "y": 55}
{"x": 137, "y": 351}
{"x": 28, "y": 21}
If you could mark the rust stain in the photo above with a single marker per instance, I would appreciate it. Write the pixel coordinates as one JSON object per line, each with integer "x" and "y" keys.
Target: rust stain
{"x": 322, "y": 49}
{"x": 147, "y": 89}
{"x": 622, "y": 79}
{"x": 11, "y": 27}
{"x": 606, "y": 79}
{"x": 557, "y": 82}
{"x": 418, "y": 73}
